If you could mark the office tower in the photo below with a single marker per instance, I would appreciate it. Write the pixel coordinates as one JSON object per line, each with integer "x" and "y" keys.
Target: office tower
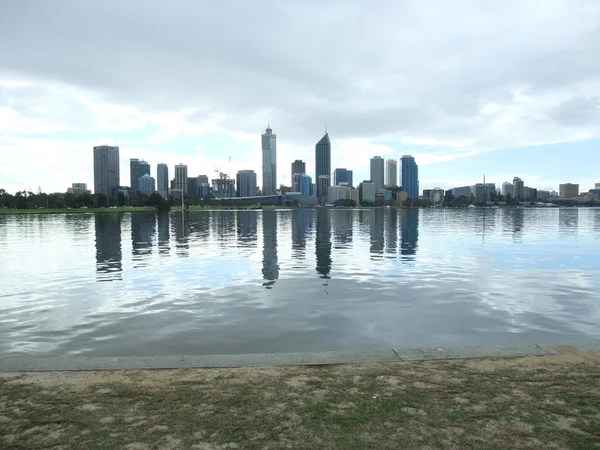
{"x": 568, "y": 190}
{"x": 323, "y": 184}
{"x": 137, "y": 168}
{"x": 342, "y": 176}
{"x": 409, "y": 176}
{"x": 323, "y": 165}
{"x": 79, "y": 186}
{"x": 478, "y": 192}
{"x": 507, "y": 189}
{"x": 298, "y": 166}
{"x": 246, "y": 183}
{"x": 518, "y": 186}
{"x": 596, "y": 185}
{"x": 305, "y": 185}
{"x": 162, "y": 179}
{"x": 269, "y": 162}
{"x": 296, "y": 182}
{"x": 181, "y": 178}
{"x": 377, "y": 171}
{"x": 106, "y": 169}
{"x": 202, "y": 179}
{"x": 391, "y": 172}
{"x": 367, "y": 192}
{"x": 192, "y": 185}
{"x": 146, "y": 184}
{"x": 335, "y": 193}
{"x": 204, "y": 190}
{"x": 352, "y": 194}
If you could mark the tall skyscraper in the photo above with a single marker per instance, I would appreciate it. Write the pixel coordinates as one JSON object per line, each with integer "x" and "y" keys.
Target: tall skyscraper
{"x": 298, "y": 166}
{"x": 181, "y": 182}
{"x": 269, "y": 162}
{"x": 305, "y": 185}
{"x": 410, "y": 176}
{"x": 137, "y": 168}
{"x": 146, "y": 184}
{"x": 568, "y": 190}
{"x": 162, "y": 179}
{"x": 342, "y": 176}
{"x": 377, "y": 171}
{"x": 391, "y": 172}
{"x": 246, "y": 183}
{"x": 518, "y": 188}
{"x": 507, "y": 189}
{"x": 323, "y": 165}
{"x": 106, "y": 169}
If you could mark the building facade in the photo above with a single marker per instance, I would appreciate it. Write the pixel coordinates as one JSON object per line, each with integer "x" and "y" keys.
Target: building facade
{"x": 352, "y": 194}
{"x": 342, "y": 176}
{"x": 409, "y": 171}
{"x": 568, "y": 190}
{"x": 378, "y": 171}
{"x": 462, "y": 191}
{"x": 391, "y": 172}
{"x": 323, "y": 165}
{"x": 204, "y": 190}
{"x": 543, "y": 195}
{"x": 478, "y": 192}
{"x": 507, "y": 189}
{"x": 305, "y": 185}
{"x": 181, "y": 178}
{"x": 246, "y": 183}
{"x": 298, "y": 166}
{"x": 106, "y": 169}
{"x": 323, "y": 184}
{"x": 162, "y": 179}
{"x": 79, "y": 186}
{"x": 367, "y": 192}
{"x": 137, "y": 168}
{"x": 146, "y": 184}
{"x": 269, "y": 162}
{"x": 518, "y": 188}
{"x": 335, "y": 193}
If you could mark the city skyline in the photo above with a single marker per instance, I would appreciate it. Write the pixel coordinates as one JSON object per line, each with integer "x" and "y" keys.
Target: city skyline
{"x": 507, "y": 102}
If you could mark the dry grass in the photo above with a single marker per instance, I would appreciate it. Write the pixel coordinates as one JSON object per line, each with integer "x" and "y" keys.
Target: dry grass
{"x": 533, "y": 402}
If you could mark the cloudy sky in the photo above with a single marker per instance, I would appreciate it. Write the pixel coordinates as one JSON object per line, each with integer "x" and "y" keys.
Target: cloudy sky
{"x": 507, "y": 88}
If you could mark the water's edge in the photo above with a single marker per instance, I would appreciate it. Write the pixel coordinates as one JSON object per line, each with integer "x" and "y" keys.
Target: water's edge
{"x": 13, "y": 364}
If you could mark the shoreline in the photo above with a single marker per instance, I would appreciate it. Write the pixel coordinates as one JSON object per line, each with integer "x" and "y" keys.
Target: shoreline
{"x": 78, "y": 363}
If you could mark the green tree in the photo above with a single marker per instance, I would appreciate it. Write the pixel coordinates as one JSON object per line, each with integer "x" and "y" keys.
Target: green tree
{"x": 408, "y": 202}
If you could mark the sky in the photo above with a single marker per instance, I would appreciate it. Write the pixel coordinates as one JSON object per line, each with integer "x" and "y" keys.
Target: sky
{"x": 468, "y": 88}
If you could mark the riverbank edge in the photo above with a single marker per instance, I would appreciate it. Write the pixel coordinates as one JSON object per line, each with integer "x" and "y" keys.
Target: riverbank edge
{"x": 15, "y": 364}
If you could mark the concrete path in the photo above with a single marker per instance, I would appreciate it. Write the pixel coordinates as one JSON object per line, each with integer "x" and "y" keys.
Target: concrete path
{"x": 13, "y": 364}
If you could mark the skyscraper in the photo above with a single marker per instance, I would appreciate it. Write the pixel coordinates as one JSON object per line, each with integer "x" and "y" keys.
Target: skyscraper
{"x": 137, "y": 168}
{"x": 162, "y": 179}
{"x": 298, "y": 166}
{"x": 181, "y": 176}
{"x": 146, "y": 184}
{"x": 377, "y": 171}
{"x": 410, "y": 176}
{"x": 342, "y": 176}
{"x": 323, "y": 165}
{"x": 518, "y": 188}
{"x": 246, "y": 183}
{"x": 391, "y": 172}
{"x": 106, "y": 169}
{"x": 269, "y": 162}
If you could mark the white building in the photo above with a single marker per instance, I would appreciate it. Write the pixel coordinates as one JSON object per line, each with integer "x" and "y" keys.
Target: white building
{"x": 352, "y": 194}
{"x": 269, "y": 162}
{"x": 507, "y": 189}
{"x": 391, "y": 173}
{"x": 377, "y": 171}
{"x": 335, "y": 193}
{"x": 181, "y": 177}
{"x": 146, "y": 184}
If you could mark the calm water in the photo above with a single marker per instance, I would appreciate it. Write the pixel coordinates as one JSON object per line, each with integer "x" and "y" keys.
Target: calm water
{"x": 304, "y": 280}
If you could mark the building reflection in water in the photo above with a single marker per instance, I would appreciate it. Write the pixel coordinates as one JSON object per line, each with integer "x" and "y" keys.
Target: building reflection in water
{"x": 270, "y": 269}
{"x": 342, "y": 224}
{"x": 518, "y": 222}
{"x": 164, "y": 233}
{"x": 301, "y": 224}
{"x": 323, "y": 242}
{"x": 376, "y": 233}
{"x": 246, "y": 228}
{"x": 108, "y": 247}
{"x": 568, "y": 220}
{"x": 143, "y": 229}
{"x": 223, "y": 227}
{"x": 391, "y": 232}
{"x": 410, "y": 233}
{"x": 179, "y": 223}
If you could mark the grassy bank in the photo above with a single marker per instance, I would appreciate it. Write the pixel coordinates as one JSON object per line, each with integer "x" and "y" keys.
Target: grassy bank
{"x": 533, "y": 402}
{"x": 73, "y": 211}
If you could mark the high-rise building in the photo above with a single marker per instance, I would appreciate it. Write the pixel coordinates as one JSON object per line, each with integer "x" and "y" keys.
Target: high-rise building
{"x": 298, "y": 166}
{"x": 342, "y": 176}
{"x": 478, "y": 192}
{"x": 162, "y": 179}
{"x": 391, "y": 172}
{"x": 335, "y": 193}
{"x": 323, "y": 165}
{"x": 518, "y": 188}
{"x": 145, "y": 184}
{"x": 269, "y": 162}
{"x": 202, "y": 179}
{"x": 507, "y": 189}
{"x": 181, "y": 178}
{"x": 462, "y": 191}
{"x": 137, "y": 168}
{"x": 409, "y": 176}
{"x": 305, "y": 185}
{"x": 296, "y": 182}
{"x": 106, "y": 169}
{"x": 378, "y": 171}
{"x": 352, "y": 194}
{"x": 529, "y": 193}
{"x": 597, "y": 186}
{"x": 367, "y": 192}
{"x": 246, "y": 183}
{"x": 192, "y": 185}
{"x": 323, "y": 184}
{"x": 568, "y": 190}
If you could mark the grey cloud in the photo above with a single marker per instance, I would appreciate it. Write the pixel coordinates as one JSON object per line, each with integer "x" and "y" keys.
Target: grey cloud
{"x": 400, "y": 68}
{"x": 578, "y": 111}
